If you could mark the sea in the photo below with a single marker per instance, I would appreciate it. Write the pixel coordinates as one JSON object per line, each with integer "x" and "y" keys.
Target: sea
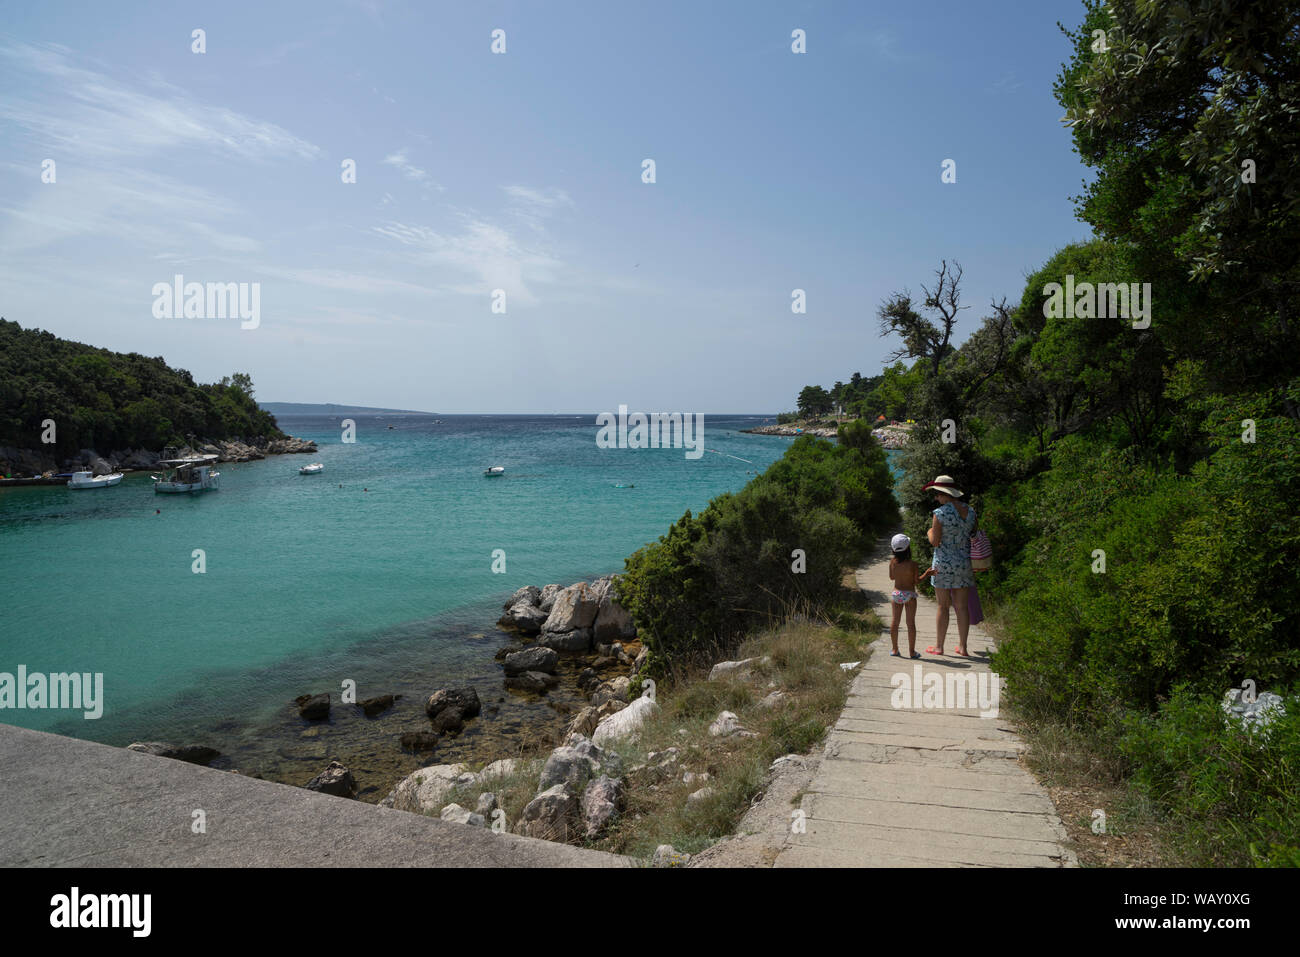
{"x": 208, "y": 614}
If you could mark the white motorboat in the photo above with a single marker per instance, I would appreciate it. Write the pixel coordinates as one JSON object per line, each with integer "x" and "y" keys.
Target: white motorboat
{"x": 91, "y": 480}
{"x": 192, "y": 474}
{"x": 495, "y": 471}
{"x": 314, "y": 469}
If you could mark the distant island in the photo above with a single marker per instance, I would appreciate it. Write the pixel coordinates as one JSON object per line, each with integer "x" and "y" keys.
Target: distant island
{"x": 330, "y": 408}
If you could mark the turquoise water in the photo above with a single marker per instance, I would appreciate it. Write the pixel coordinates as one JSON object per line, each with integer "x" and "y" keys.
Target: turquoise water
{"x": 386, "y": 580}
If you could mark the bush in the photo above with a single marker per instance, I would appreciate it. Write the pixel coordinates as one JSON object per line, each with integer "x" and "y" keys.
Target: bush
{"x": 714, "y": 576}
{"x": 1231, "y": 795}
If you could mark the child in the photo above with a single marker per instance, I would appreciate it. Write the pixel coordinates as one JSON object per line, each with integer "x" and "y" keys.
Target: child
{"x": 905, "y": 575}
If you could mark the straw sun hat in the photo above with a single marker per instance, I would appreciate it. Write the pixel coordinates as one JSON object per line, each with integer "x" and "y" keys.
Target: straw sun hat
{"x": 943, "y": 483}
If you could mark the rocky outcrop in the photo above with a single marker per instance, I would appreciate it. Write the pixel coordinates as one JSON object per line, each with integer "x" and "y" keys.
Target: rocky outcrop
{"x": 523, "y": 616}
{"x": 191, "y": 753}
{"x": 449, "y": 708}
{"x": 336, "y": 780}
{"x": 531, "y": 659}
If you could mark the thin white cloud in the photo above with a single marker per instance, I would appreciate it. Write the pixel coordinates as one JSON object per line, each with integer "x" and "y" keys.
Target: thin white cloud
{"x": 482, "y": 249}
{"x": 82, "y": 112}
{"x": 402, "y": 163}
{"x": 539, "y": 198}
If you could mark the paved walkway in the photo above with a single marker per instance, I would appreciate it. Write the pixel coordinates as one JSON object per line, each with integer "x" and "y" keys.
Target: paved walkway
{"x": 71, "y": 803}
{"x": 917, "y": 786}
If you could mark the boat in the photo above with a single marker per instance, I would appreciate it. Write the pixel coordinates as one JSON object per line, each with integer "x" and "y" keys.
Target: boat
{"x": 91, "y": 480}
{"x": 194, "y": 473}
{"x": 314, "y": 469}
{"x": 495, "y": 471}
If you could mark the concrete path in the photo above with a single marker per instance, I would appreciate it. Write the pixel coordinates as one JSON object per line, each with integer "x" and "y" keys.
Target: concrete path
{"x": 71, "y": 803}
{"x": 923, "y": 786}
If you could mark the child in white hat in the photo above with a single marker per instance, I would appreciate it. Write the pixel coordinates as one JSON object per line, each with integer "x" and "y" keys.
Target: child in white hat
{"x": 905, "y": 574}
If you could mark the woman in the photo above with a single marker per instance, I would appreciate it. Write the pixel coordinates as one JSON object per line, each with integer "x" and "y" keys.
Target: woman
{"x": 950, "y": 533}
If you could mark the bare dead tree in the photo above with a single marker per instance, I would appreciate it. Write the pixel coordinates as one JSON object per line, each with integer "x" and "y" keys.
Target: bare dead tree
{"x": 925, "y": 337}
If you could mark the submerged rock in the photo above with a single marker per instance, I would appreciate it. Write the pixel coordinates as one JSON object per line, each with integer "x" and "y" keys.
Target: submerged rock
{"x": 190, "y": 753}
{"x": 419, "y": 741}
{"x": 464, "y": 700}
{"x": 535, "y": 681}
{"x": 377, "y": 705}
{"x": 313, "y": 707}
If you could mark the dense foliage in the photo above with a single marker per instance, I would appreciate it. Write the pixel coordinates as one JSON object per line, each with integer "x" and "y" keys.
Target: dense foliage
{"x": 1141, "y": 484}
{"x": 111, "y": 401}
{"x": 717, "y": 574}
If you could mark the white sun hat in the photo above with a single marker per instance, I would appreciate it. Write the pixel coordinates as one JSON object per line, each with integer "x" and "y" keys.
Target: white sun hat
{"x": 899, "y": 542}
{"x": 945, "y": 484}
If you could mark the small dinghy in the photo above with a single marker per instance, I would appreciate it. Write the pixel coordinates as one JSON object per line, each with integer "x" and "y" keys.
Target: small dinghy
{"x": 495, "y": 471}
{"x": 314, "y": 469}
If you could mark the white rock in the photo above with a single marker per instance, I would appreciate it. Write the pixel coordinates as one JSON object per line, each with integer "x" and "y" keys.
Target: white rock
{"x": 459, "y": 815}
{"x": 725, "y": 725}
{"x": 626, "y": 723}
{"x": 849, "y": 665}
{"x": 422, "y": 791}
{"x": 737, "y": 669}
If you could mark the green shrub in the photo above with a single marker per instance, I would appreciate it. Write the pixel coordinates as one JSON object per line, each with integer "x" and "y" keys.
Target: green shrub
{"x": 1231, "y": 795}
{"x": 715, "y": 576}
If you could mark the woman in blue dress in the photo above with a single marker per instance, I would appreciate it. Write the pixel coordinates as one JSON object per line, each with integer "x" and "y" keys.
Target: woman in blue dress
{"x": 950, "y": 533}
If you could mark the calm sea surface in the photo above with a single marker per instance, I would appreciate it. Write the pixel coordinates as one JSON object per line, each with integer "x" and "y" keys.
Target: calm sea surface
{"x": 379, "y": 571}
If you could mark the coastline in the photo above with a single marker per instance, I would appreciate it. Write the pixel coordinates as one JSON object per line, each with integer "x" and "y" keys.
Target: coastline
{"x": 126, "y": 461}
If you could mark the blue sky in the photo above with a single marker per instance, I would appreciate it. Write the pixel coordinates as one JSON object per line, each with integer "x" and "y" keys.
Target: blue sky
{"x": 522, "y": 171}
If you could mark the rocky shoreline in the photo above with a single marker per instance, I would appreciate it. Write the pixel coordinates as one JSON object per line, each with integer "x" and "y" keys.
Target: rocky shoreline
{"x": 791, "y": 431}
{"x": 576, "y": 635}
{"x": 892, "y": 436}
{"x": 28, "y": 462}
{"x": 562, "y": 635}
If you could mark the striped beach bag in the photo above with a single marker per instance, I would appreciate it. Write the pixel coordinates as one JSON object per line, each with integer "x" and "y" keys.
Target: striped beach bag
{"x": 981, "y": 552}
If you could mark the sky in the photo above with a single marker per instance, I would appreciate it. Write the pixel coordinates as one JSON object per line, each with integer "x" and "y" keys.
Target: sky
{"x": 523, "y": 171}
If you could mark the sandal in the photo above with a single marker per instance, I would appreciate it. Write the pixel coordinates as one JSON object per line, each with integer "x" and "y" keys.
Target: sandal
{"x": 932, "y": 650}
{"x": 914, "y": 655}
{"x": 895, "y": 654}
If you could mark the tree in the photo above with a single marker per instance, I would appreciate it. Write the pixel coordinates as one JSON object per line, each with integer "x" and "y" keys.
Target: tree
{"x": 1187, "y": 111}
{"x": 925, "y": 338}
{"x": 813, "y": 401}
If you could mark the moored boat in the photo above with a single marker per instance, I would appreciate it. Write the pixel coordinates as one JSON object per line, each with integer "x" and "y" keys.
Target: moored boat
{"x": 194, "y": 473}
{"x": 314, "y": 469}
{"x": 89, "y": 479}
{"x": 495, "y": 471}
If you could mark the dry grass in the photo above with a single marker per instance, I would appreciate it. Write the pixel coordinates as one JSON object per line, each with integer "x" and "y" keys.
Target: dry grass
{"x": 804, "y": 664}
